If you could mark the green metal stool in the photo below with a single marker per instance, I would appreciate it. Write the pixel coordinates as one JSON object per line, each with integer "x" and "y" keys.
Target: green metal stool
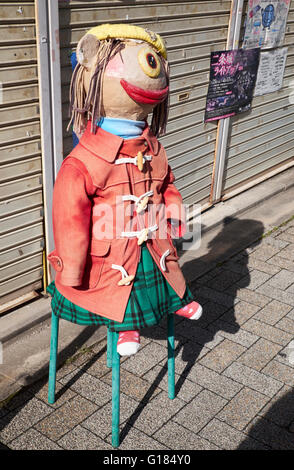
{"x": 113, "y": 361}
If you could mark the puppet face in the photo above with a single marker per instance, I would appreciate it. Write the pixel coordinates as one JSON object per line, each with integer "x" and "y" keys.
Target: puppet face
{"x": 134, "y": 82}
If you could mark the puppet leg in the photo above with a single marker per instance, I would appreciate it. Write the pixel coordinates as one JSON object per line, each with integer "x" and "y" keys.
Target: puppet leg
{"x": 115, "y": 391}
{"x": 128, "y": 342}
{"x": 53, "y": 358}
{"x": 192, "y": 311}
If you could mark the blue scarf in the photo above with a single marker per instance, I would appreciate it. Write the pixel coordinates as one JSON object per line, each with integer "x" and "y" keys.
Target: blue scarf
{"x": 124, "y": 128}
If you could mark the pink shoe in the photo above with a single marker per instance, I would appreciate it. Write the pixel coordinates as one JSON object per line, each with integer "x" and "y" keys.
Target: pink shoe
{"x": 128, "y": 343}
{"x": 192, "y": 311}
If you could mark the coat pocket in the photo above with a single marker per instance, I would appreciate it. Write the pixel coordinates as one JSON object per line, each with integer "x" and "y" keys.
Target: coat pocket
{"x": 98, "y": 251}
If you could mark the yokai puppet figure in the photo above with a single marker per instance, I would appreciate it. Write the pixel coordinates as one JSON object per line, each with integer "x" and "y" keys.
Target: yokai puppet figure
{"x": 115, "y": 207}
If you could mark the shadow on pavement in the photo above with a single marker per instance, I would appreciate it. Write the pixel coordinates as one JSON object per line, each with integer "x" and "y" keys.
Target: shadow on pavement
{"x": 273, "y": 429}
{"x": 191, "y": 337}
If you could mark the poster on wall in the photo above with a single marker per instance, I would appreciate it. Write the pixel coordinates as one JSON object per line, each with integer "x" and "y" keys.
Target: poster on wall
{"x": 232, "y": 81}
{"x": 266, "y": 22}
{"x": 270, "y": 71}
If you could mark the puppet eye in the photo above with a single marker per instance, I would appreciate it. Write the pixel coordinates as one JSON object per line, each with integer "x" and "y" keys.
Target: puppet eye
{"x": 149, "y": 62}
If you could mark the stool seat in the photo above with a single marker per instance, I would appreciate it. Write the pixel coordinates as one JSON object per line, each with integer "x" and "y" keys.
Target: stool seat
{"x": 113, "y": 362}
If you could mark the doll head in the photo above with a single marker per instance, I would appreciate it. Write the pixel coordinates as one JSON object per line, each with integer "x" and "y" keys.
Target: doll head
{"x": 122, "y": 72}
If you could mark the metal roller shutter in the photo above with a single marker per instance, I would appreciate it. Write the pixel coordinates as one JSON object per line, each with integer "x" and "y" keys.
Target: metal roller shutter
{"x": 263, "y": 139}
{"x": 21, "y": 199}
{"x": 191, "y": 30}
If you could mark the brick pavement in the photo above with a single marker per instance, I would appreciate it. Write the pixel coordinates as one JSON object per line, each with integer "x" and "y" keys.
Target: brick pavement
{"x": 234, "y": 383}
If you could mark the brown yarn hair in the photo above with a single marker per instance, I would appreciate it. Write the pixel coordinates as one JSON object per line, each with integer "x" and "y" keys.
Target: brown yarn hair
{"x": 84, "y": 106}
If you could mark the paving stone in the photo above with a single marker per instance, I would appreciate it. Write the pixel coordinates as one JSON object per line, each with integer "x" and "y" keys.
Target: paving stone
{"x": 280, "y": 409}
{"x": 282, "y": 279}
{"x": 18, "y": 400}
{"x": 177, "y": 437}
{"x": 185, "y": 389}
{"x": 145, "y": 359}
{"x": 263, "y": 266}
{"x": 211, "y": 312}
{"x": 97, "y": 369}
{"x": 80, "y": 438}
{"x": 211, "y": 380}
{"x": 65, "y": 418}
{"x": 241, "y": 313}
{"x": 195, "y": 415}
{"x": 222, "y": 355}
{"x": 280, "y": 372}
{"x": 283, "y": 357}
{"x": 254, "y": 279}
{"x": 88, "y": 387}
{"x": 265, "y": 252}
{"x": 228, "y": 438}
{"x": 202, "y": 336}
{"x": 274, "y": 241}
{"x": 291, "y": 314}
{"x": 62, "y": 395}
{"x": 133, "y": 386}
{"x": 134, "y": 439}
{"x": 267, "y": 331}
{"x": 33, "y": 440}
{"x": 186, "y": 357}
{"x": 224, "y": 280}
{"x": 234, "y": 333}
{"x": 3, "y": 447}
{"x": 286, "y": 236}
{"x": 286, "y": 324}
{"x": 235, "y": 267}
{"x": 156, "y": 413}
{"x": 252, "y": 378}
{"x": 281, "y": 262}
{"x": 272, "y": 312}
{"x": 19, "y": 420}
{"x": 159, "y": 335}
{"x": 253, "y": 297}
{"x": 288, "y": 252}
{"x": 290, "y": 229}
{"x": 66, "y": 369}
{"x": 259, "y": 354}
{"x": 242, "y": 408}
{"x": 99, "y": 422}
{"x": 3, "y": 411}
{"x": 224, "y": 299}
{"x": 270, "y": 434}
{"x": 290, "y": 289}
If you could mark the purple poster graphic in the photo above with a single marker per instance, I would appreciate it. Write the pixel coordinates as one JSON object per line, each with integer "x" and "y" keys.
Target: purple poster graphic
{"x": 232, "y": 81}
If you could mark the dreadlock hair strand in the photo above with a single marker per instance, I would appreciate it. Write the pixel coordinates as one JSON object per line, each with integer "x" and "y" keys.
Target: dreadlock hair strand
{"x": 82, "y": 105}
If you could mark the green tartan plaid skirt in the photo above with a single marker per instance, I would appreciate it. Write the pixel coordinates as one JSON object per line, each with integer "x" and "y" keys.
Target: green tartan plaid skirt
{"x": 150, "y": 300}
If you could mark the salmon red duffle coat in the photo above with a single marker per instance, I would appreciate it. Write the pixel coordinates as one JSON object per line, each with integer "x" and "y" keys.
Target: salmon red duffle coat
{"x": 99, "y": 220}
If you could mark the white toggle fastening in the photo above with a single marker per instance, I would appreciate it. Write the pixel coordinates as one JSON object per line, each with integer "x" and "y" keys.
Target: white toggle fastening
{"x": 125, "y": 278}
{"x": 140, "y": 203}
{"x": 142, "y": 235}
{"x": 133, "y": 160}
{"x": 162, "y": 260}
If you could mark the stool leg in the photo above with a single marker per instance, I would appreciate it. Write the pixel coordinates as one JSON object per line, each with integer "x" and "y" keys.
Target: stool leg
{"x": 115, "y": 391}
{"x": 109, "y": 348}
{"x": 53, "y": 358}
{"x": 171, "y": 356}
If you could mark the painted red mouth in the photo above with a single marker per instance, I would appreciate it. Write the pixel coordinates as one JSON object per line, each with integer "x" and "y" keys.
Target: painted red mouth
{"x": 144, "y": 96}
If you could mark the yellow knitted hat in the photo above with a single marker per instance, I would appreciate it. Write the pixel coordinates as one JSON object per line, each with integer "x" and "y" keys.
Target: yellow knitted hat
{"x": 129, "y": 31}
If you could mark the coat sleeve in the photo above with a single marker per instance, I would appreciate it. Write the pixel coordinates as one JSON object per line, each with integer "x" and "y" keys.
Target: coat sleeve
{"x": 71, "y": 224}
{"x": 175, "y": 211}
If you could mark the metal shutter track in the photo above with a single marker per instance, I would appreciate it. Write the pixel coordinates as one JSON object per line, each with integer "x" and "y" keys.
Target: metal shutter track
{"x": 21, "y": 199}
